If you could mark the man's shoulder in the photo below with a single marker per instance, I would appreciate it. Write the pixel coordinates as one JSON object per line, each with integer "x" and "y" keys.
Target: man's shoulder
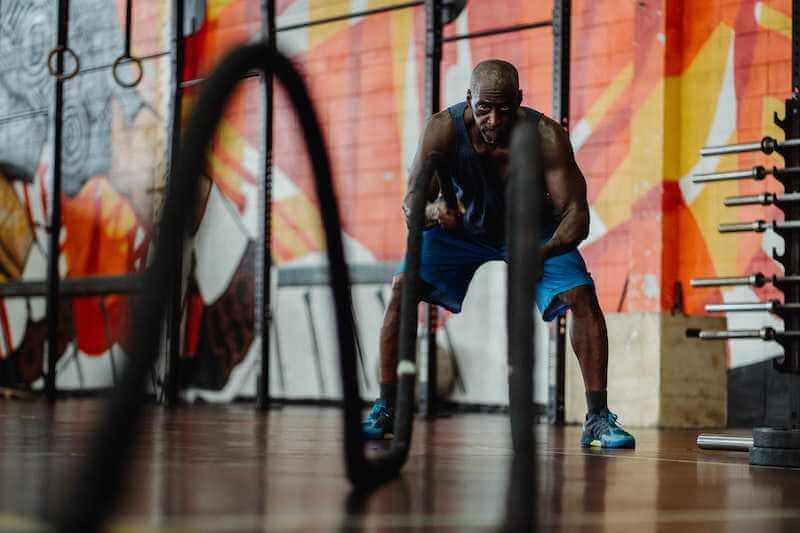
{"x": 442, "y": 119}
{"x": 534, "y": 114}
{"x": 549, "y": 129}
{"x": 441, "y": 128}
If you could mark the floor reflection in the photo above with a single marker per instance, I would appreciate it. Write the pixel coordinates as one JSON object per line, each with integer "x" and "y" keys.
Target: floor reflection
{"x": 521, "y": 497}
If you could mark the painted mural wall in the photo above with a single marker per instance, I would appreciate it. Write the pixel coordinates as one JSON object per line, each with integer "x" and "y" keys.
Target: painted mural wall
{"x": 366, "y": 77}
{"x": 113, "y": 158}
{"x": 652, "y": 82}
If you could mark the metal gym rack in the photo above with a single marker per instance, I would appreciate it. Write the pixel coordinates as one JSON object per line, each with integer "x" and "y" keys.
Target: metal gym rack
{"x": 63, "y": 65}
{"x": 769, "y": 446}
{"x": 438, "y": 13}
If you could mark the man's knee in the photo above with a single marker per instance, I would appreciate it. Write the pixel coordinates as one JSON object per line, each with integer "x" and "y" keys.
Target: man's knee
{"x": 397, "y": 286}
{"x": 581, "y": 299}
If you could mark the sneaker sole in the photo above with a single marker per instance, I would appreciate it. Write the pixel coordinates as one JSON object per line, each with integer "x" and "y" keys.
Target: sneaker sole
{"x": 599, "y": 444}
{"x": 386, "y": 436}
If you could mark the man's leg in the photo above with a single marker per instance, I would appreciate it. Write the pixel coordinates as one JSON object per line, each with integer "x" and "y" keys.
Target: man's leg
{"x": 380, "y": 421}
{"x": 589, "y": 336}
{"x": 590, "y": 342}
{"x": 388, "y": 345}
{"x": 447, "y": 264}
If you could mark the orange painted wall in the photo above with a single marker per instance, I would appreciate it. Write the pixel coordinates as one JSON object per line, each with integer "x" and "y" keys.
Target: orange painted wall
{"x": 652, "y": 82}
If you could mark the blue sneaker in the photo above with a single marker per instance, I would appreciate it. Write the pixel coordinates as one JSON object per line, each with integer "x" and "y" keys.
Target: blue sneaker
{"x": 379, "y": 424}
{"x": 601, "y": 431}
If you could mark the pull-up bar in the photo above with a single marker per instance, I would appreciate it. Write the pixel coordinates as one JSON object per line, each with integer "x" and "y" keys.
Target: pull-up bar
{"x": 349, "y": 16}
{"x": 499, "y": 31}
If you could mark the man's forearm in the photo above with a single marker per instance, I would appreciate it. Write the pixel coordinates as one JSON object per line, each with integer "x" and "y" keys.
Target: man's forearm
{"x": 573, "y": 228}
{"x": 430, "y": 217}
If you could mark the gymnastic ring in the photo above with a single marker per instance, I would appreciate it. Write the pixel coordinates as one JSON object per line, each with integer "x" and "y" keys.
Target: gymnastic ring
{"x": 127, "y": 59}
{"x": 54, "y": 72}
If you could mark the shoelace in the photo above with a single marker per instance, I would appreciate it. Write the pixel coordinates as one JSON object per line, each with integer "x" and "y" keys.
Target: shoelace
{"x": 377, "y": 409}
{"x": 602, "y": 423}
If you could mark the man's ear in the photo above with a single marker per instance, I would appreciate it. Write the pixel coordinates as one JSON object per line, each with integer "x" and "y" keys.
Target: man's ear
{"x": 469, "y": 97}
{"x": 519, "y": 98}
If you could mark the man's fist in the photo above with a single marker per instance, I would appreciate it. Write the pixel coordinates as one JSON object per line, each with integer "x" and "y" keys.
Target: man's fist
{"x": 438, "y": 212}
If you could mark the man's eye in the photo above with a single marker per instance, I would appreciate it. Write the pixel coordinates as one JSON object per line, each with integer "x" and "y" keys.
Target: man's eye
{"x": 505, "y": 109}
{"x": 483, "y": 107}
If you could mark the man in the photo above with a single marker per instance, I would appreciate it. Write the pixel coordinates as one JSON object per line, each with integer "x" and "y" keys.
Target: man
{"x": 475, "y": 137}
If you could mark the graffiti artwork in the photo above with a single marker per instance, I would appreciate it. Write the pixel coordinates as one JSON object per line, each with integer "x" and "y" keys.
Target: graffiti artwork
{"x": 650, "y": 86}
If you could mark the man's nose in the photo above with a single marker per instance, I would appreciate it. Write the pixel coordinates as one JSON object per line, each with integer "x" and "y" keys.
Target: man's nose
{"x": 491, "y": 120}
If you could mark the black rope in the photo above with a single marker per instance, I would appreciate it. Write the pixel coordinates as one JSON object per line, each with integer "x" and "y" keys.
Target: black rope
{"x": 524, "y": 269}
{"x": 99, "y": 484}
{"x": 98, "y": 487}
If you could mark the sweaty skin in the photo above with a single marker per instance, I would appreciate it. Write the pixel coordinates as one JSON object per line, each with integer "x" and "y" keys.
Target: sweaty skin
{"x": 493, "y": 109}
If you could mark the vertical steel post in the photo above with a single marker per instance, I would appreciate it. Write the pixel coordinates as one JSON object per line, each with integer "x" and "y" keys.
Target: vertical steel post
{"x": 175, "y": 311}
{"x": 791, "y": 126}
{"x": 263, "y": 265}
{"x": 791, "y": 261}
{"x": 561, "y": 67}
{"x": 433, "y": 89}
{"x": 795, "y": 46}
{"x": 792, "y": 212}
{"x": 53, "y": 277}
{"x": 561, "y": 57}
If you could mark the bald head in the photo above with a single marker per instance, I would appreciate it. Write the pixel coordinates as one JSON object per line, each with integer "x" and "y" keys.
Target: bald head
{"x": 494, "y": 97}
{"x": 494, "y": 74}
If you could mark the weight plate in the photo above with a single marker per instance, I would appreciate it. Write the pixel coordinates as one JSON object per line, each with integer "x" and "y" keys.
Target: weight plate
{"x": 776, "y": 438}
{"x": 775, "y": 457}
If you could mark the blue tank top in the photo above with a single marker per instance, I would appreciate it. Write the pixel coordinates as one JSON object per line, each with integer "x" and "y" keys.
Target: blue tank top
{"x": 476, "y": 183}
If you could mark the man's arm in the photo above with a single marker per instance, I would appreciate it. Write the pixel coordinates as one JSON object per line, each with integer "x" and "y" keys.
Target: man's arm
{"x": 438, "y": 136}
{"x": 566, "y": 186}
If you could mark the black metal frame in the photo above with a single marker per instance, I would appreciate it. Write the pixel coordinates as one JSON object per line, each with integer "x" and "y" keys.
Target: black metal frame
{"x": 264, "y": 256}
{"x": 795, "y": 46}
{"x": 173, "y": 317}
{"x": 433, "y": 91}
{"x": 53, "y": 288}
{"x": 789, "y": 310}
{"x": 99, "y": 485}
{"x": 434, "y": 42}
{"x": 54, "y": 248}
{"x": 561, "y": 27}
{"x": 127, "y": 56}
{"x": 349, "y": 16}
{"x": 433, "y": 48}
{"x": 263, "y": 267}
{"x": 498, "y": 31}
{"x": 562, "y": 31}
{"x": 791, "y": 256}
{"x": 75, "y": 287}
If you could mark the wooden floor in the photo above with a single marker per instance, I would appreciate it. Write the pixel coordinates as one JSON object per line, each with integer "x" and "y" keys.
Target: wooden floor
{"x": 204, "y": 468}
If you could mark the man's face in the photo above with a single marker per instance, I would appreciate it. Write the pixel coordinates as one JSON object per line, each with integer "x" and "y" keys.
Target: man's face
{"x": 495, "y": 108}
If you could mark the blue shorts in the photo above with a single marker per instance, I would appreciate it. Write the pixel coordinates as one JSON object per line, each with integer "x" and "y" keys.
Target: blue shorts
{"x": 449, "y": 261}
